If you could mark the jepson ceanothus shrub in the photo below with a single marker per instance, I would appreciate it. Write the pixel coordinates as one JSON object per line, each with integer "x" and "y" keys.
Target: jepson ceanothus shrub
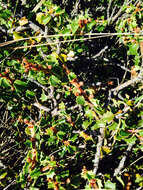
{"x": 71, "y": 95}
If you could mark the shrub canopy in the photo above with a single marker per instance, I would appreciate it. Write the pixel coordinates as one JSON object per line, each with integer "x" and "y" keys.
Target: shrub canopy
{"x": 71, "y": 102}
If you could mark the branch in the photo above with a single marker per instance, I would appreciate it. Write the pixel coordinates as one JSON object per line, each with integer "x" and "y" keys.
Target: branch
{"x": 108, "y": 9}
{"x": 12, "y": 183}
{"x": 37, "y": 83}
{"x": 36, "y": 28}
{"x": 124, "y": 85}
{"x": 99, "y": 53}
{"x": 38, "y": 6}
{"x": 41, "y": 107}
{"x": 122, "y": 162}
{"x": 98, "y": 150}
{"x": 113, "y": 18}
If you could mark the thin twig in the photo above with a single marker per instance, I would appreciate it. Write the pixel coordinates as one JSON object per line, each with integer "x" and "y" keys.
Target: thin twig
{"x": 37, "y": 83}
{"x": 99, "y": 53}
{"x": 132, "y": 164}
{"x": 63, "y": 35}
{"x": 120, "y": 11}
{"x": 64, "y": 41}
{"x": 12, "y": 183}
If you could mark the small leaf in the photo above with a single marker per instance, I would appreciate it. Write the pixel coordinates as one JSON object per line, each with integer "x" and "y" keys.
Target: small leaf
{"x": 17, "y": 36}
{"x": 71, "y": 76}
{"x": 54, "y": 81}
{"x": 109, "y": 116}
{"x": 110, "y": 185}
{"x": 46, "y": 19}
{"x": 63, "y": 57}
{"x": 90, "y": 114}
{"x": 80, "y": 100}
{"x": 61, "y": 134}
{"x": 43, "y": 97}
{"x": 35, "y": 173}
{"x": 131, "y": 140}
{"x": 50, "y": 174}
{"x": 74, "y": 26}
{"x": 34, "y": 188}
{"x": 23, "y": 21}
{"x": 39, "y": 17}
{"x": 120, "y": 180}
{"x": 124, "y": 133}
{"x": 20, "y": 83}
{"x": 106, "y": 149}
{"x": 138, "y": 99}
{"x": 4, "y": 83}
{"x": 30, "y": 93}
{"x": 133, "y": 49}
{"x": 85, "y": 136}
{"x": 59, "y": 11}
{"x": 86, "y": 124}
{"x": 3, "y": 175}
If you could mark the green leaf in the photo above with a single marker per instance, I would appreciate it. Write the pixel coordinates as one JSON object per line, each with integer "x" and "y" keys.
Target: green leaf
{"x": 80, "y": 100}
{"x": 124, "y": 133}
{"x": 43, "y": 97}
{"x": 91, "y": 24}
{"x": 131, "y": 140}
{"x": 3, "y": 175}
{"x": 71, "y": 149}
{"x": 34, "y": 188}
{"x": 26, "y": 168}
{"x": 30, "y": 93}
{"x": 106, "y": 149}
{"x": 64, "y": 173}
{"x": 133, "y": 49}
{"x": 90, "y": 175}
{"x": 61, "y": 134}
{"x": 71, "y": 76}
{"x": 59, "y": 11}
{"x": 35, "y": 173}
{"x": 90, "y": 114}
{"x": 109, "y": 116}
{"x": 74, "y": 26}
{"x": 110, "y": 185}
{"x": 20, "y": 83}
{"x": 4, "y": 83}
{"x": 50, "y": 174}
{"x": 39, "y": 17}
{"x": 86, "y": 124}
{"x": 17, "y": 36}
{"x": 120, "y": 180}
{"x": 46, "y": 19}
{"x": 54, "y": 81}
{"x": 138, "y": 99}
{"x": 27, "y": 131}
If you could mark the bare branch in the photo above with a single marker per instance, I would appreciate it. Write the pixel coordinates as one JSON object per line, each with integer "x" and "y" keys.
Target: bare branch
{"x": 102, "y": 51}
{"x": 12, "y": 183}
{"x": 37, "y": 83}
{"x": 126, "y": 84}
{"x": 122, "y": 162}
{"x": 108, "y": 9}
{"x": 38, "y": 6}
{"x": 98, "y": 150}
